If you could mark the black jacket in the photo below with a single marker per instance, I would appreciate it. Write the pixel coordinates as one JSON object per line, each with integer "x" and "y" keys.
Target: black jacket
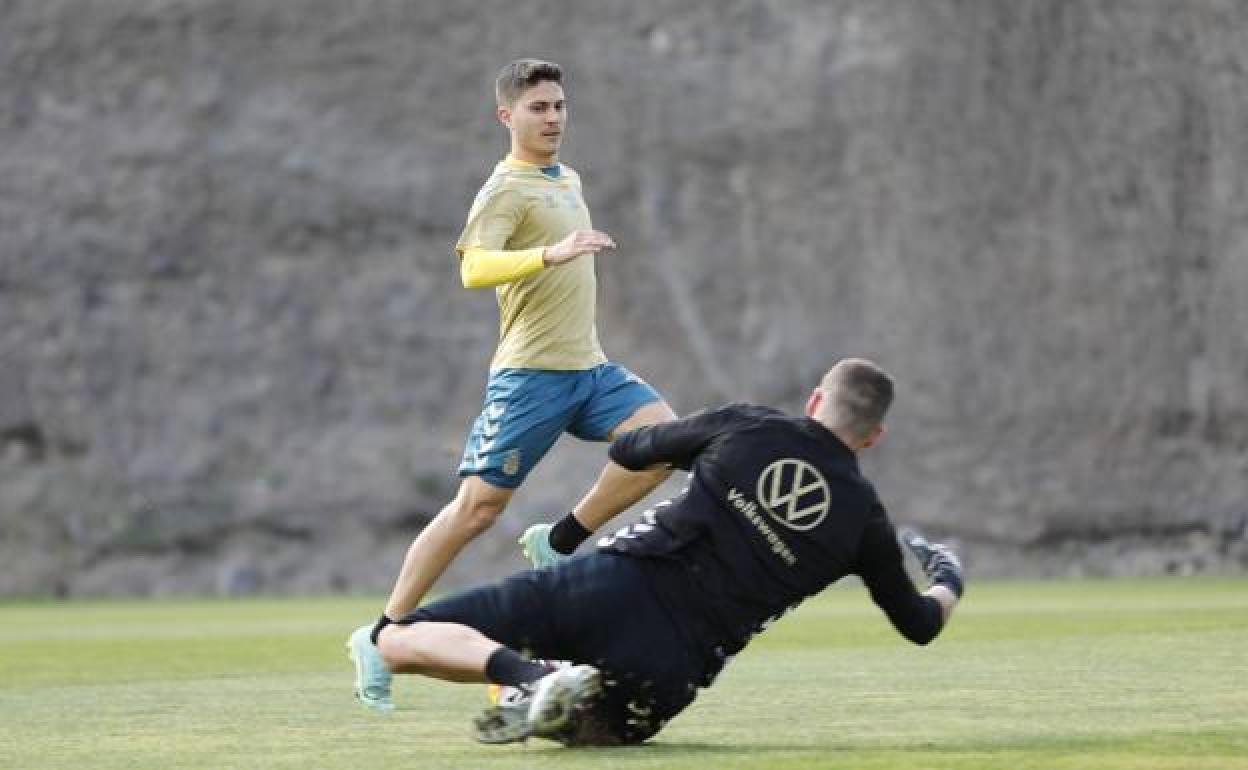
{"x": 776, "y": 510}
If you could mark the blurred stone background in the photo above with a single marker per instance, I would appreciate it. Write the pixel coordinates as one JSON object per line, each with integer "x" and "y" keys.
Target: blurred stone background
{"x": 235, "y": 355}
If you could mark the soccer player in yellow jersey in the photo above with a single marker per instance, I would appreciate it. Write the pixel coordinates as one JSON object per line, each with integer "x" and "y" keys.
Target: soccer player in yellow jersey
{"x": 529, "y": 236}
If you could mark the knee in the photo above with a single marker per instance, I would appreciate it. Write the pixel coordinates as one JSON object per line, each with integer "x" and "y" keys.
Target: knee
{"x": 475, "y": 515}
{"x": 390, "y": 649}
{"x": 401, "y": 649}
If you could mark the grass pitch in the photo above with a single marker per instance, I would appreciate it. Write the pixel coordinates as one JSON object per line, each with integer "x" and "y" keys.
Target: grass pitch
{"x": 1090, "y": 675}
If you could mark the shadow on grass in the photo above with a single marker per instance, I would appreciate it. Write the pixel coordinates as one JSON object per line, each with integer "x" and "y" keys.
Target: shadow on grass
{"x": 649, "y": 752}
{"x": 1214, "y": 742}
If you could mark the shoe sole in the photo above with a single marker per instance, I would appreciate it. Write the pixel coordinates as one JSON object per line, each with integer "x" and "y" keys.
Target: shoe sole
{"x": 499, "y": 725}
{"x": 552, "y": 707}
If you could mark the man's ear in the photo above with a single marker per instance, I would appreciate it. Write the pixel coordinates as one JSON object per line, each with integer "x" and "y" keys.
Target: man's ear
{"x": 504, "y": 115}
{"x": 812, "y": 403}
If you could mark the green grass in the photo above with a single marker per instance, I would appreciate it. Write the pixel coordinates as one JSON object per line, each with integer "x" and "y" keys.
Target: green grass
{"x": 1092, "y": 675}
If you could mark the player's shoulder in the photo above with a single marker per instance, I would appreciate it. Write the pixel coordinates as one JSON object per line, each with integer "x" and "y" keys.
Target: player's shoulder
{"x": 859, "y": 490}
{"x": 753, "y": 411}
{"x": 764, "y": 416}
{"x": 741, "y": 415}
{"x": 504, "y": 176}
{"x": 503, "y": 183}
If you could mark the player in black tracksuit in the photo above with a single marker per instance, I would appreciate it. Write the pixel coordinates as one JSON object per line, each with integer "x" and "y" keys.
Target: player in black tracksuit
{"x": 775, "y": 511}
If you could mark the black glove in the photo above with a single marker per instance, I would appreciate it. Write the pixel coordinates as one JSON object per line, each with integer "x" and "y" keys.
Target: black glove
{"x": 939, "y": 562}
{"x": 381, "y": 623}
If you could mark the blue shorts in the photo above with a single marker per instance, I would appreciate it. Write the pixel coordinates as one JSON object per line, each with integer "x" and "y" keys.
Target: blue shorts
{"x": 527, "y": 409}
{"x": 600, "y": 609}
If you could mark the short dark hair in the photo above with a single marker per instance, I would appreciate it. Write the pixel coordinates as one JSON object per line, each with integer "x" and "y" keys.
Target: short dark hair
{"x": 861, "y": 393}
{"x": 521, "y": 75}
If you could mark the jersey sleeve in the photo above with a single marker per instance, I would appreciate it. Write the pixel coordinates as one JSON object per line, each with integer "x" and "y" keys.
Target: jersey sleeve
{"x": 675, "y": 443}
{"x": 495, "y": 215}
{"x": 882, "y": 568}
{"x": 482, "y": 268}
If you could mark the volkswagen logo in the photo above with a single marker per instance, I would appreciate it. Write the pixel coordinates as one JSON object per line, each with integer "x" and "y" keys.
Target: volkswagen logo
{"x": 794, "y": 493}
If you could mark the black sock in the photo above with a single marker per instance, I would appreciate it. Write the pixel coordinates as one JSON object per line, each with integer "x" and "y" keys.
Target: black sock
{"x": 567, "y": 534}
{"x": 506, "y": 666}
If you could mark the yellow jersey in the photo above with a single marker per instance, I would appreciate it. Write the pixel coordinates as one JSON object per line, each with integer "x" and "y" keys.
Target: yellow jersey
{"x": 546, "y": 319}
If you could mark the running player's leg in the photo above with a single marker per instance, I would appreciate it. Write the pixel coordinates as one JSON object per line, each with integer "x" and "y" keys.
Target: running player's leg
{"x": 475, "y": 508}
{"x": 621, "y": 402}
{"x": 618, "y": 489}
{"x": 523, "y": 414}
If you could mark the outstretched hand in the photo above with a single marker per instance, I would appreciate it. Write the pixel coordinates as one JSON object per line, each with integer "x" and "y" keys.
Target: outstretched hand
{"x": 575, "y": 244}
{"x": 939, "y": 562}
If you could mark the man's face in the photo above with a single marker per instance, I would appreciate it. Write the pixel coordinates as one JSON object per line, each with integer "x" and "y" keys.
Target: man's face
{"x": 537, "y": 120}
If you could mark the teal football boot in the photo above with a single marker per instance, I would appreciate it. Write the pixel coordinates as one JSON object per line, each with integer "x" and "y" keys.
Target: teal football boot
{"x": 372, "y": 678}
{"x": 535, "y": 543}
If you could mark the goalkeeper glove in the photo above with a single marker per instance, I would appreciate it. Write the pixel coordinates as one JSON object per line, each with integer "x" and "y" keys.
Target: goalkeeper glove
{"x": 939, "y": 562}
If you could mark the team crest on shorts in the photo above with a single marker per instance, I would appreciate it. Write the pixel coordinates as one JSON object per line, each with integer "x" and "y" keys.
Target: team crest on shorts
{"x": 511, "y": 462}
